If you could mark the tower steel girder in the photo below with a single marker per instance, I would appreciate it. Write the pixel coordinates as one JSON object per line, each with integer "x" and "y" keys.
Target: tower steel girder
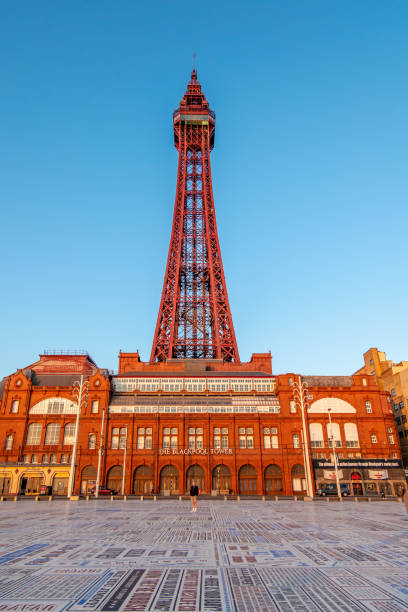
{"x": 194, "y": 319}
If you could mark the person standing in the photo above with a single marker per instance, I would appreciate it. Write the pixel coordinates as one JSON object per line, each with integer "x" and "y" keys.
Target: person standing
{"x": 193, "y": 496}
{"x": 405, "y": 498}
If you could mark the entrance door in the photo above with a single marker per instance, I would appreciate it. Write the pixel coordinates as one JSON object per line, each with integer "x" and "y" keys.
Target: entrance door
{"x": 88, "y": 479}
{"x": 59, "y": 486}
{"x": 143, "y": 480}
{"x": 4, "y": 485}
{"x": 273, "y": 480}
{"x": 169, "y": 480}
{"x": 357, "y": 483}
{"x": 30, "y": 485}
{"x": 298, "y": 479}
{"x": 247, "y": 480}
{"x": 195, "y": 473}
{"x": 114, "y": 479}
{"x": 357, "y": 488}
{"x": 221, "y": 479}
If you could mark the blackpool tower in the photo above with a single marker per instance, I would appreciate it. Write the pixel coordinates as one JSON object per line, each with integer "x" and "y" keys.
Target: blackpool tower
{"x": 194, "y": 320}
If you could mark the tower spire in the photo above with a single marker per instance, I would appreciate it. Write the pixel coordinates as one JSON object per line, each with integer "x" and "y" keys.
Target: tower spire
{"x": 194, "y": 319}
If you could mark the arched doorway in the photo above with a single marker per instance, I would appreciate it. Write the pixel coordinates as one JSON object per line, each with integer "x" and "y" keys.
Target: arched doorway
{"x": 298, "y": 479}
{"x": 169, "y": 480}
{"x": 273, "y": 480}
{"x": 114, "y": 478}
{"x": 221, "y": 479}
{"x": 143, "y": 480}
{"x": 196, "y": 473}
{"x": 60, "y": 483}
{"x": 247, "y": 480}
{"x": 88, "y": 479}
{"x": 30, "y": 483}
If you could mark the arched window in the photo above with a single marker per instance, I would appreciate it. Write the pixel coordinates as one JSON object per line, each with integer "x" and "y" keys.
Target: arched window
{"x": 52, "y": 433}
{"x": 69, "y": 433}
{"x": 333, "y": 434}
{"x": 316, "y": 435}
{"x": 34, "y": 433}
{"x": 92, "y": 441}
{"x": 9, "y": 442}
{"x": 351, "y": 435}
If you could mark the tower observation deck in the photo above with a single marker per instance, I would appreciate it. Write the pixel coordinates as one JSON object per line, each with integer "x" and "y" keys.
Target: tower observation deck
{"x": 194, "y": 320}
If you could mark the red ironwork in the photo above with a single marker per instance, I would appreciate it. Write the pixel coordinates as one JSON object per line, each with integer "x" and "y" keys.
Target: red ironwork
{"x": 194, "y": 319}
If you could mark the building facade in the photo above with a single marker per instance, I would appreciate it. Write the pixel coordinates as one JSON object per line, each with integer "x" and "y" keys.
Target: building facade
{"x": 233, "y": 428}
{"x": 392, "y": 378}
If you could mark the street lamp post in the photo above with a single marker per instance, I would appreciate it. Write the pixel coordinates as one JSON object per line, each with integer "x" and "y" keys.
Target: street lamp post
{"x": 100, "y": 453}
{"x": 336, "y": 469}
{"x": 300, "y": 393}
{"x": 79, "y": 396}
{"x": 124, "y": 461}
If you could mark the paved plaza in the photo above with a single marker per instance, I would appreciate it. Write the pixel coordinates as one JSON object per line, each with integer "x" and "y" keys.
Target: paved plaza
{"x": 232, "y": 556}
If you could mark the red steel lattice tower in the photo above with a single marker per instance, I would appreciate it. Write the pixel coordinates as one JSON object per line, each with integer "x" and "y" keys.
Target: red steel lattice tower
{"x": 194, "y": 320}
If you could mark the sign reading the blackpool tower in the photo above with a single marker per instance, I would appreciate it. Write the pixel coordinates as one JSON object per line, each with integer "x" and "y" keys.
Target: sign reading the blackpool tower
{"x": 195, "y": 451}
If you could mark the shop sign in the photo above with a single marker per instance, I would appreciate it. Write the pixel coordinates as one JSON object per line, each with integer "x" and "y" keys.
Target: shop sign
{"x": 359, "y": 463}
{"x": 378, "y": 474}
{"x": 331, "y": 474}
{"x": 195, "y": 451}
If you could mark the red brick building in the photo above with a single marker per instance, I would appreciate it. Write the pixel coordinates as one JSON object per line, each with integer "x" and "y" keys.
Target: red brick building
{"x": 234, "y": 428}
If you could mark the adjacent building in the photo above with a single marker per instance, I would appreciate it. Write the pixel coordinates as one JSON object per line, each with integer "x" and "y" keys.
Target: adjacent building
{"x": 392, "y": 378}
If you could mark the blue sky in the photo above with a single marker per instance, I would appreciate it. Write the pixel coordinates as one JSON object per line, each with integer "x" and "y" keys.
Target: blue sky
{"x": 309, "y": 172}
